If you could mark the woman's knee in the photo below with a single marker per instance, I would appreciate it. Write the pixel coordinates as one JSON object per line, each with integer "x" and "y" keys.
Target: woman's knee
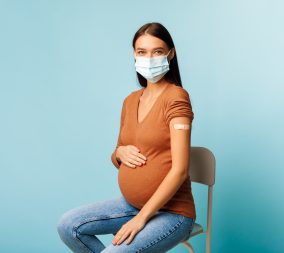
{"x": 65, "y": 226}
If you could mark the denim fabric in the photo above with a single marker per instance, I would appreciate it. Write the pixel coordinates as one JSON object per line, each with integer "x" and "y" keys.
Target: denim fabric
{"x": 79, "y": 226}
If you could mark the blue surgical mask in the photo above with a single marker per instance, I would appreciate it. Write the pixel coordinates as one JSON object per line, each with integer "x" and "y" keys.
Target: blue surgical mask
{"x": 154, "y": 68}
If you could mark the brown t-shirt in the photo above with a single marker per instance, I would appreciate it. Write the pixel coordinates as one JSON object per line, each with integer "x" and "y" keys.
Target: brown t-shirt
{"x": 152, "y": 137}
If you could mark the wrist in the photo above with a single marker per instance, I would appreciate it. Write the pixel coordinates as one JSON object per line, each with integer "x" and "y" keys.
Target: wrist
{"x": 144, "y": 216}
{"x": 117, "y": 155}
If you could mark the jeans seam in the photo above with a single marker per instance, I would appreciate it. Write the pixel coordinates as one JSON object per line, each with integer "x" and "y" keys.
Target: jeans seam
{"x": 102, "y": 217}
{"x": 105, "y": 217}
{"x": 74, "y": 232}
{"x": 163, "y": 236}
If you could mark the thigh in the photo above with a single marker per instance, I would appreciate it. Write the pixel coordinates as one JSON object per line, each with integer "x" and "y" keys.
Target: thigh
{"x": 101, "y": 217}
{"x": 161, "y": 233}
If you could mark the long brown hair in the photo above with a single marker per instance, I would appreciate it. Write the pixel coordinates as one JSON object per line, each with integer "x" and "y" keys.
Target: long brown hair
{"x": 159, "y": 31}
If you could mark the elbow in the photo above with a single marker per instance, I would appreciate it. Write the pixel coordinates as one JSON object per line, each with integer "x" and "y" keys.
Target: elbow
{"x": 181, "y": 173}
{"x": 184, "y": 176}
{"x": 181, "y": 177}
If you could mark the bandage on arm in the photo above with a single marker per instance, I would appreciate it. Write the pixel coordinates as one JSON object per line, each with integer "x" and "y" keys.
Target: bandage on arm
{"x": 181, "y": 126}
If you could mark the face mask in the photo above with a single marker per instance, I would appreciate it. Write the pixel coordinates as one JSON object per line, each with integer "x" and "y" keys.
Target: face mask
{"x": 154, "y": 68}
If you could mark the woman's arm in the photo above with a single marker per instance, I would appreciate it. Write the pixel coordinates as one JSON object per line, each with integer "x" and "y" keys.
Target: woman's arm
{"x": 115, "y": 160}
{"x": 180, "y": 144}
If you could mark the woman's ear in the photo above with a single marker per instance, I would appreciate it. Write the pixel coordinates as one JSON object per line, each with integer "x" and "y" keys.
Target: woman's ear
{"x": 172, "y": 53}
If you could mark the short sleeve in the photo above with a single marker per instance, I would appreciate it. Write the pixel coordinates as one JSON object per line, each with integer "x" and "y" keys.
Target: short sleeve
{"x": 178, "y": 105}
{"x": 119, "y": 142}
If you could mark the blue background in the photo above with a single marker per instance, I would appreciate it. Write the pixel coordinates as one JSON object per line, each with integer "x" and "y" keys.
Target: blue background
{"x": 65, "y": 68}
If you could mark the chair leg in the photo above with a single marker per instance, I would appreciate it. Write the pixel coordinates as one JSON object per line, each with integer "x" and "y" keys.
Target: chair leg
{"x": 208, "y": 245}
{"x": 188, "y": 246}
{"x": 209, "y": 220}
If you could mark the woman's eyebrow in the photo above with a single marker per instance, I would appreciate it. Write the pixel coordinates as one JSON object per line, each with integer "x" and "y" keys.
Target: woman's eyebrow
{"x": 140, "y": 48}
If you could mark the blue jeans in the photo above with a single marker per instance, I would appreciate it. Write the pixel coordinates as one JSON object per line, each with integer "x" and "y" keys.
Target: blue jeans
{"x": 79, "y": 226}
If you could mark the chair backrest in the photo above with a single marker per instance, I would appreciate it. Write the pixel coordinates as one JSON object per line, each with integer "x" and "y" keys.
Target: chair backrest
{"x": 202, "y": 170}
{"x": 202, "y": 166}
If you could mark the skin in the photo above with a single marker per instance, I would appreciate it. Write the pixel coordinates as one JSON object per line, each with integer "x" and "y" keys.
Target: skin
{"x": 180, "y": 141}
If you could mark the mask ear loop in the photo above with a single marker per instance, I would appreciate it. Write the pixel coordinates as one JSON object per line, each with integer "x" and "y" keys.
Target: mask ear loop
{"x": 168, "y": 55}
{"x": 181, "y": 126}
{"x": 169, "y": 52}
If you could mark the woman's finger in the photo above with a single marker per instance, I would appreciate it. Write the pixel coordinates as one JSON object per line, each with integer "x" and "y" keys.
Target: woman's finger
{"x": 123, "y": 237}
{"x": 118, "y": 235}
{"x": 129, "y": 240}
{"x": 133, "y": 161}
{"x": 130, "y": 165}
{"x": 135, "y": 157}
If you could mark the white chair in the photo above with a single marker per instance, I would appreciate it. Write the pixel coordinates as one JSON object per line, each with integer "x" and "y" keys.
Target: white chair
{"x": 202, "y": 170}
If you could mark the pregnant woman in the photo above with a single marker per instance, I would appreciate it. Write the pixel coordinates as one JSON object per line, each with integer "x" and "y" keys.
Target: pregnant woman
{"x": 156, "y": 210}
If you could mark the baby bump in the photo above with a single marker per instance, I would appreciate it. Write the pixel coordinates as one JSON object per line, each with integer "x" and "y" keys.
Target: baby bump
{"x": 138, "y": 184}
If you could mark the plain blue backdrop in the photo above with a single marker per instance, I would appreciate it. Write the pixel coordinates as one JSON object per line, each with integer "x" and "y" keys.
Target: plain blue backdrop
{"x": 65, "y": 68}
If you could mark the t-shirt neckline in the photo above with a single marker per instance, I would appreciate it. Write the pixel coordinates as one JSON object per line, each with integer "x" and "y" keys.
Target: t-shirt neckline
{"x": 152, "y": 107}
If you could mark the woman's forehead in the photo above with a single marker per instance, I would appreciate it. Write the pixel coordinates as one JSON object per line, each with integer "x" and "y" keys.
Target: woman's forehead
{"x": 148, "y": 42}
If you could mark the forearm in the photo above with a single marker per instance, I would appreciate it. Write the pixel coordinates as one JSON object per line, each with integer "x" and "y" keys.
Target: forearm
{"x": 166, "y": 190}
{"x": 115, "y": 160}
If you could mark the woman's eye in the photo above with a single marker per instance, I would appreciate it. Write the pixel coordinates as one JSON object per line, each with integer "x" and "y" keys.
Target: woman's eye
{"x": 159, "y": 52}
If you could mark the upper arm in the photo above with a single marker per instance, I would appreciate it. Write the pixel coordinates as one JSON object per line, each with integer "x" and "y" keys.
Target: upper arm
{"x": 122, "y": 117}
{"x": 119, "y": 141}
{"x": 179, "y": 111}
{"x": 180, "y": 145}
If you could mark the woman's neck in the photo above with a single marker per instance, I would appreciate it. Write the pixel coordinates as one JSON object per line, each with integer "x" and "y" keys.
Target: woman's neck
{"x": 153, "y": 89}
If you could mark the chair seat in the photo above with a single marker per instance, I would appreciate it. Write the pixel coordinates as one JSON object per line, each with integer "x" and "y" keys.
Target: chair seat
{"x": 197, "y": 229}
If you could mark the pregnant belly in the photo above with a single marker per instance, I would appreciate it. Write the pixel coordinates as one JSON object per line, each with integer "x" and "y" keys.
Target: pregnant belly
{"x": 138, "y": 184}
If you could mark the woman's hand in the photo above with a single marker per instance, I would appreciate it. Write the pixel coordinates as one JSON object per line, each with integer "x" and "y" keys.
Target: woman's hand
{"x": 131, "y": 228}
{"x": 130, "y": 155}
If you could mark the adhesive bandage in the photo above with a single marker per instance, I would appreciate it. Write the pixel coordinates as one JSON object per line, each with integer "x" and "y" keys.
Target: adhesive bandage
{"x": 181, "y": 126}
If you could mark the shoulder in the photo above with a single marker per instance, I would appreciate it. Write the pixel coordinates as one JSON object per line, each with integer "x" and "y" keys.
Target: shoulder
{"x": 177, "y": 104}
{"x": 134, "y": 93}
{"x": 176, "y": 93}
{"x": 131, "y": 96}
